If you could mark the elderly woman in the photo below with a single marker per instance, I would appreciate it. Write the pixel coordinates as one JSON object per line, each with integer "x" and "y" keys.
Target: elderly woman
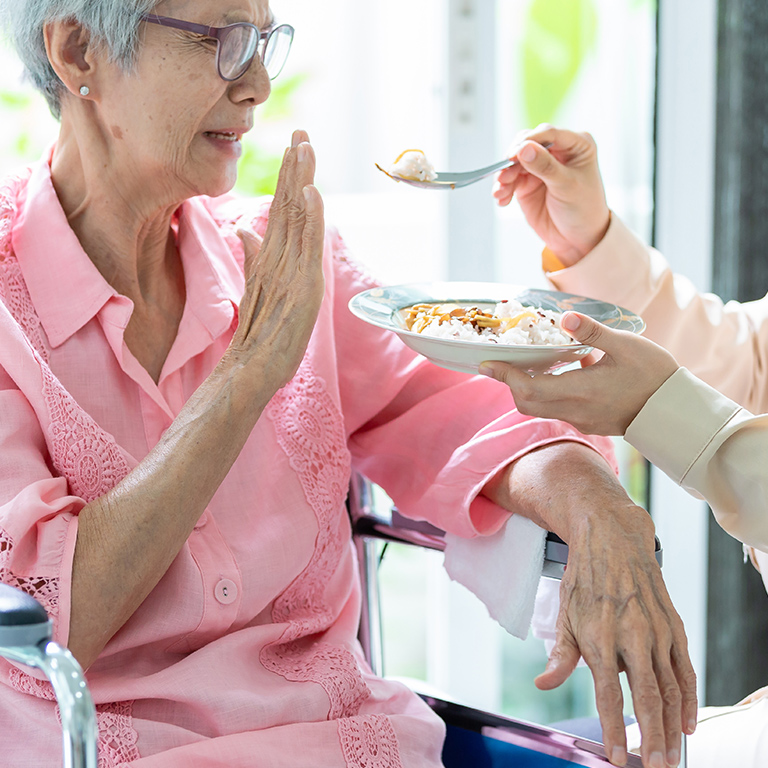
{"x": 181, "y": 408}
{"x": 697, "y": 405}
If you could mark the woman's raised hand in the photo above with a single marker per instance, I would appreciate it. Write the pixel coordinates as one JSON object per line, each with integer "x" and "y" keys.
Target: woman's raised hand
{"x": 600, "y": 399}
{"x": 559, "y": 190}
{"x": 284, "y": 273}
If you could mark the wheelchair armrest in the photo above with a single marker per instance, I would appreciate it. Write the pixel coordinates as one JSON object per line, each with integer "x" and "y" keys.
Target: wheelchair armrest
{"x": 389, "y": 525}
{"x": 556, "y": 556}
{"x": 400, "y": 530}
{"x": 23, "y": 621}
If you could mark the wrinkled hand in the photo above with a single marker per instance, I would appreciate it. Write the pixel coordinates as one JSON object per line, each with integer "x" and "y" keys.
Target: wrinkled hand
{"x": 615, "y": 611}
{"x": 559, "y": 190}
{"x": 600, "y": 399}
{"x": 284, "y": 274}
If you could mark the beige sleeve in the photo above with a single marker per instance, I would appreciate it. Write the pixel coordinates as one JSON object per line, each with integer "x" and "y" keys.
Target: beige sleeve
{"x": 726, "y": 345}
{"x": 711, "y": 447}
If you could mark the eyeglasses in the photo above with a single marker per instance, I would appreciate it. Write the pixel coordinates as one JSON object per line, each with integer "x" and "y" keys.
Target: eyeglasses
{"x": 238, "y": 44}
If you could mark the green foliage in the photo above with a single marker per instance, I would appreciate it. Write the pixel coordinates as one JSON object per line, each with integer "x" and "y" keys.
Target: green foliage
{"x": 558, "y": 36}
{"x": 260, "y": 165}
{"x": 28, "y": 127}
{"x": 280, "y": 103}
{"x": 258, "y": 171}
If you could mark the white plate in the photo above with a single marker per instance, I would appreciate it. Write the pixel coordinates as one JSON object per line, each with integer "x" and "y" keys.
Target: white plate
{"x": 382, "y": 307}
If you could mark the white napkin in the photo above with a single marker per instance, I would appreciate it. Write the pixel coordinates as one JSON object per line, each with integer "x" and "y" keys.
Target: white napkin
{"x": 545, "y": 612}
{"x": 502, "y": 570}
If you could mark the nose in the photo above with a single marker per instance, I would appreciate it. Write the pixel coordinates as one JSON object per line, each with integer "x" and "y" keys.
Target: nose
{"x": 254, "y": 86}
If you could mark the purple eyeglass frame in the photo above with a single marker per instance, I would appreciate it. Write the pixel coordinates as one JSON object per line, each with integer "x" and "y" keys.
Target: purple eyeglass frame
{"x": 219, "y": 34}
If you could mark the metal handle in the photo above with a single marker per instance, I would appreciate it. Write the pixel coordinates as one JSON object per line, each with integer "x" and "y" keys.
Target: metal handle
{"x": 25, "y": 633}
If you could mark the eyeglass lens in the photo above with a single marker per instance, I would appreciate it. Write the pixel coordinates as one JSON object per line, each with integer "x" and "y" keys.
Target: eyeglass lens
{"x": 276, "y": 49}
{"x": 238, "y": 48}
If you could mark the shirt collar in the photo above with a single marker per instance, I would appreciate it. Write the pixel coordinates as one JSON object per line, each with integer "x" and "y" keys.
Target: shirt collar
{"x": 66, "y": 288}
{"x": 213, "y": 278}
{"x": 68, "y": 291}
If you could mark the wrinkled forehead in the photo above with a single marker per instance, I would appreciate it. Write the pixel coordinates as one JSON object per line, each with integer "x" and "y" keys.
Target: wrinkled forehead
{"x": 217, "y": 12}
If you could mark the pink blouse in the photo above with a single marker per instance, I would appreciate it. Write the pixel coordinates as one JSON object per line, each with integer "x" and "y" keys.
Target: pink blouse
{"x": 245, "y": 653}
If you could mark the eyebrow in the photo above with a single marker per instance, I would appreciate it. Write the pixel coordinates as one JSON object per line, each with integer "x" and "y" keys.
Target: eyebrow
{"x": 229, "y": 19}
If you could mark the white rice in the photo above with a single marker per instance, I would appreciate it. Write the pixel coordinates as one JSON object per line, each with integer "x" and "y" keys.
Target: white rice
{"x": 413, "y": 164}
{"x": 537, "y": 327}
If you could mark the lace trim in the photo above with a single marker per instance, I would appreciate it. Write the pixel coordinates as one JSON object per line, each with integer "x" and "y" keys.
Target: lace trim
{"x": 44, "y": 589}
{"x": 82, "y": 452}
{"x": 117, "y": 736}
{"x": 13, "y": 289}
{"x": 308, "y": 428}
{"x": 369, "y": 742}
{"x": 25, "y": 683}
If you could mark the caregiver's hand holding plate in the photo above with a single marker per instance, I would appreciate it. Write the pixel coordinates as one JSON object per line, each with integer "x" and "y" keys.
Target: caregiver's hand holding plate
{"x": 600, "y": 399}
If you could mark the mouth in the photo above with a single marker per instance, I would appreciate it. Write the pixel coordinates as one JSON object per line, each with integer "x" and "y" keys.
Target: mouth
{"x": 223, "y": 135}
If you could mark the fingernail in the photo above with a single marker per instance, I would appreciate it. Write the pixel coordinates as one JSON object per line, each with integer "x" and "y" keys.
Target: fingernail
{"x": 656, "y": 760}
{"x": 485, "y": 370}
{"x": 528, "y": 153}
{"x": 302, "y": 150}
{"x": 570, "y": 321}
{"x": 295, "y": 140}
{"x": 673, "y": 757}
{"x": 619, "y": 756}
{"x": 692, "y": 723}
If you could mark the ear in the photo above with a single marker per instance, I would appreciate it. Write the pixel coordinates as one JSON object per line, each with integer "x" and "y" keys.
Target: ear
{"x": 71, "y": 53}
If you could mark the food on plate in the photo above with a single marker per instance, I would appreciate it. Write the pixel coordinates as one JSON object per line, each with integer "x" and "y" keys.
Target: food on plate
{"x": 508, "y": 322}
{"x": 412, "y": 164}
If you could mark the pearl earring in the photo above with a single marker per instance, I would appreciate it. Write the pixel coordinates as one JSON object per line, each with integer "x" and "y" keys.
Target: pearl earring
{"x": 84, "y": 90}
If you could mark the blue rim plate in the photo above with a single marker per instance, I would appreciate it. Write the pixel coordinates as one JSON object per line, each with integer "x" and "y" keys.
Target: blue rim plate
{"x": 383, "y": 307}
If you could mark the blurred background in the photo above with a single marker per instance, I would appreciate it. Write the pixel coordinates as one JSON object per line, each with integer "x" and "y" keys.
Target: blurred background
{"x": 459, "y": 79}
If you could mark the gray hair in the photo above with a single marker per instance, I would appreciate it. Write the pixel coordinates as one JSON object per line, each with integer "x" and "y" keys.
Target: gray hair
{"x": 112, "y": 23}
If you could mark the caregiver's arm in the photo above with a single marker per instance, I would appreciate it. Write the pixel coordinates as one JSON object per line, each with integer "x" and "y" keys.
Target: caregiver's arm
{"x": 703, "y": 440}
{"x": 590, "y": 253}
{"x": 615, "y": 610}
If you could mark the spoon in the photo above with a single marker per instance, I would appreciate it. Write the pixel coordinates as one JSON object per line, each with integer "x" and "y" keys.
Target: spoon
{"x": 453, "y": 180}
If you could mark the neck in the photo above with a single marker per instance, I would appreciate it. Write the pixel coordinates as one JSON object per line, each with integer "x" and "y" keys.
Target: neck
{"x": 126, "y": 234}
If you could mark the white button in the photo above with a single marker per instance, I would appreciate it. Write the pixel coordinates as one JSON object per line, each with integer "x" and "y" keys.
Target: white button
{"x": 226, "y": 591}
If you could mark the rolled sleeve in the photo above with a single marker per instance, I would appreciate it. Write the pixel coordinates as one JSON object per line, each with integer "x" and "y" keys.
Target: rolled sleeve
{"x": 416, "y": 459}
{"x": 38, "y": 516}
{"x": 713, "y": 448}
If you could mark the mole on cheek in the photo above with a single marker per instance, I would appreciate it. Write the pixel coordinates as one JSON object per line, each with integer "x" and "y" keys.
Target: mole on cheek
{"x": 117, "y": 131}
